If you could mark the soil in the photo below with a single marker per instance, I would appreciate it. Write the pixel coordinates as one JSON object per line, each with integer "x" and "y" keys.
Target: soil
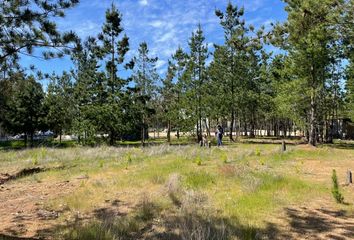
{"x": 22, "y": 208}
{"x": 24, "y": 215}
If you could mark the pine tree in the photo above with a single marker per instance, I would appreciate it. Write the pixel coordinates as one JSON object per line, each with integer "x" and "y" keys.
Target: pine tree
{"x": 26, "y": 25}
{"x": 24, "y": 109}
{"x": 179, "y": 64}
{"x": 168, "y": 95}
{"x": 239, "y": 61}
{"x": 89, "y": 91}
{"x": 60, "y": 104}
{"x": 347, "y": 23}
{"x": 195, "y": 79}
{"x": 309, "y": 37}
{"x": 145, "y": 78}
{"x": 114, "y": 49}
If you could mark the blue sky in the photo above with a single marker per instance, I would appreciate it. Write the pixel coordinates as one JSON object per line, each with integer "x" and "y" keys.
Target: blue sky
{"x": 163, "y": 24}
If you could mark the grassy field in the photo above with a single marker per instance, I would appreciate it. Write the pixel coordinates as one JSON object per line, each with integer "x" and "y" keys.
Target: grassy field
{"x": 240, "y": 191}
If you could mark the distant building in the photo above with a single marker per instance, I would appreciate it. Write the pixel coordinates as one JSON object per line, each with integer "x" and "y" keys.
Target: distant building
{"x": 346, "y": 129}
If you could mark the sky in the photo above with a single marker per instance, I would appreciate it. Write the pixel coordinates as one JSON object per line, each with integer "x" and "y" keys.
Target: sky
{"x": 163, "y": 24}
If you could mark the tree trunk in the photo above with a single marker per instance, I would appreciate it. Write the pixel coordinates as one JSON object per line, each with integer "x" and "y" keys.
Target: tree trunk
{"x": 252, "y": 126}
{"x": 238, "y": 129}
{"x": 245, "y": 128}
{"x": 207, "y": 127}
{"x": 232, "y": 126}
{"x": 111, "y": 138}
{"x": 31, "y": 139}
{"x": 143, "y": 133}
{"x": 312, "y": 133}
{"x": 26, "y": 140}
{"x": 169, "y": 131}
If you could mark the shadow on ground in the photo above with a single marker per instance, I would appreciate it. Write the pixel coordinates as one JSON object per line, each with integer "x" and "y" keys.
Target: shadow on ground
{"x": 320, "y": 224}
{"x": 153, "y": 223}
{"x": 349, "y": 146}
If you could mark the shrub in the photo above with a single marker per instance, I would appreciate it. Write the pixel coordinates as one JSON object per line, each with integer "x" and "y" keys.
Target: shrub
{"x": 225, "y": 158}
{"x": 198, "y": 160}
{"x": 257, "y": 152}
{"x": 147, "y": 209}
{"x": 197, "y": 222}
{"x": 335, "y": 189}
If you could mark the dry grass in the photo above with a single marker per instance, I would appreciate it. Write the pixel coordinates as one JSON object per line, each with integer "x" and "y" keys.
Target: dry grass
{"x": 164, "y": 193}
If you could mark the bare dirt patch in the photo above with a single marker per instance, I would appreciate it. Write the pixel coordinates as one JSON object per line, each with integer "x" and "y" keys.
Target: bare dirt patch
{"x": 316, "y": 223}
{"x": 22, "y": 208}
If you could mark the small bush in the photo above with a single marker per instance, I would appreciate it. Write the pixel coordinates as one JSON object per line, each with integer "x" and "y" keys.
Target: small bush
{"x": 257, "y": 152}
{"x": 197, "y": 222}
{"x": 198, "y": 160}
{"x": 335, "y": 189}
{"x": 146, "y": 209}
{"x": 225, "y": 158}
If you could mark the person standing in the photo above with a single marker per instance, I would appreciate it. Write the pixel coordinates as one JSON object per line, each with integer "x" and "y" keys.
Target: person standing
{"x": 219, "y": 134}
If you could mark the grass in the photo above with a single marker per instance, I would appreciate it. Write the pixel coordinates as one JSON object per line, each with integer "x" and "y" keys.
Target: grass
{"x": 231, "y": 191}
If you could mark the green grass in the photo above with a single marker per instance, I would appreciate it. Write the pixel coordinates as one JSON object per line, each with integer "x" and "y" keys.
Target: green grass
{"x": 196, "y": 180}
{"x": 243, "y": 183}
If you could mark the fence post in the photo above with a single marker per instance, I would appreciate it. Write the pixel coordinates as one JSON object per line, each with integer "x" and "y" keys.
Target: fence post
{"x": 283, "y": 146}
{"x": 349, "y": 177}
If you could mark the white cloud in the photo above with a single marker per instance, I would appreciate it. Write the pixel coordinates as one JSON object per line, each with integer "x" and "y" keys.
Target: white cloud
{"x": 163, "y": 24}
{"x": 254, "y": 5}
{"x": 156, "y": 23}
{"x": 160, "y": 63}
{"x": 168, "y": 36}
{"x": 143, "y": 2}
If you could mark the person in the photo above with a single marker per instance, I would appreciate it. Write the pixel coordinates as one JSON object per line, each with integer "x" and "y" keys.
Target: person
{"x": 219, "y": 134}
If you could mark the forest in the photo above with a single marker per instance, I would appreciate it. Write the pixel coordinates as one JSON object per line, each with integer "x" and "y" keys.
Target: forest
{"x": 118, "y": 146}
{"x": 305, "y": 89}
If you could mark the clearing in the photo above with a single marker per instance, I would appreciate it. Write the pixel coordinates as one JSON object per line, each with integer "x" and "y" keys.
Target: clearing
{"x": 240, "y": 191}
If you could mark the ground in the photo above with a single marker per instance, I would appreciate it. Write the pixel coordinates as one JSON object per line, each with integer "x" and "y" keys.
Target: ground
{"x": 239, "y": 191}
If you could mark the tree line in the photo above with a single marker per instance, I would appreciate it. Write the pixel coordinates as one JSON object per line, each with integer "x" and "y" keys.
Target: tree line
{"x": 305, "y": 86}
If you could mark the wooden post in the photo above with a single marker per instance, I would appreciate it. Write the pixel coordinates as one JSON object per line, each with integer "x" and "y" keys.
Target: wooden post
{"x": 283, "y": 146}
{"x": 349, "y": 177}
